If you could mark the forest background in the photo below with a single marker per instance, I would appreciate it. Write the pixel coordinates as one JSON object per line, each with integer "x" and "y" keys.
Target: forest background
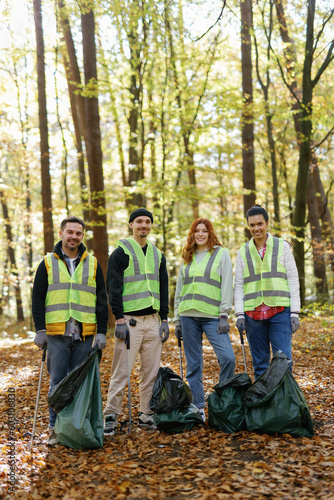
{"x": 190, "y": 108}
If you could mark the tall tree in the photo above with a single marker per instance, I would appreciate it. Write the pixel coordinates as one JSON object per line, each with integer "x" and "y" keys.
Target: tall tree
{"x": 302, "y": 109}
{"x": 265, "y": 83}
{"x": 248, "y": 163}
{"x": 12, "y": 258}
{"x": 77, "y": 103}
{"x": 98, "y": 221}
{"x": 43, "y": 129}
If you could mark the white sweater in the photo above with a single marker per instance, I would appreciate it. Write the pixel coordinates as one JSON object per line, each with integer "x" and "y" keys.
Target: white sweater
{"x": 288, "y": 261}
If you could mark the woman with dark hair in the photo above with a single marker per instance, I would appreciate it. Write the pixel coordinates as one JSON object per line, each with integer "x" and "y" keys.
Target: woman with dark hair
{"x": 203, "y": 301}
{"x": 266, "y": 291}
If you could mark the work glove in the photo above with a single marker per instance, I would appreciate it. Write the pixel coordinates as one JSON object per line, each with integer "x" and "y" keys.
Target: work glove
{"x": 121, "y": 330}
{"x": 100, "y": 340}
{"x": 178, "y": 332}
{"x": 41, "y": 338}
{"x": 294, "y": 320}
{"x": 241, "y": 324}
{"x": 164, "y": 331}
{"x": 223, "y": 326}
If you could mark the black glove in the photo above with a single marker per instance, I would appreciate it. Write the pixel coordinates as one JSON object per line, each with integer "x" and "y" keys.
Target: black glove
{"x": 178, "y": 332}
{"x": 223, "y": 326}
{"x": 121, "y": 330}
{"x": 164, "y": 331}
{"x": 241, "y": 324}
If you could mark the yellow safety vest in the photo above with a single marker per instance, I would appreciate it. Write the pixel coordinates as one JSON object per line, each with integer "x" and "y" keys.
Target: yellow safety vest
{"x": 265, "y": 280}
{"x": 70, "y": 296}
{"x": 141, "y": 283}
{"x": 202, "y": 285}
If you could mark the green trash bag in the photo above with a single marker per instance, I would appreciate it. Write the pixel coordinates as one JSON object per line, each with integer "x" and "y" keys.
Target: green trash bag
{"x": 80, "y": 424}
{"x": 226, "y": 409}
{"x": 178, "y": 420}
{"x": 275, "y": 402}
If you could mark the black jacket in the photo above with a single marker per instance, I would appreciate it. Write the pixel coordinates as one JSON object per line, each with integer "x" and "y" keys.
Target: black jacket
{"x": 41, "y": 286}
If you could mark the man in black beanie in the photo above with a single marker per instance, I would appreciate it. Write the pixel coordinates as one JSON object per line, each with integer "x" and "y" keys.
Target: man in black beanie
{"x": 137, "y": 286}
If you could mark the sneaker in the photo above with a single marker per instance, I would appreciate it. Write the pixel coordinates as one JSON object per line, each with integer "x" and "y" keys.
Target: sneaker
{"x": 110, "y": 424}
{"x": 52, "y": 441}
{"x": 202, "y": 412}
{"x": 146, "y": 420}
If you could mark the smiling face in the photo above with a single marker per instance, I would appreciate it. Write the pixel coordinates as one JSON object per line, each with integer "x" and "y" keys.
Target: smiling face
{"x": 141, "y": 228}
{"x": 201, "y": 236}
{"x": 71, "y": 236}
{"x": 258, "y": 228}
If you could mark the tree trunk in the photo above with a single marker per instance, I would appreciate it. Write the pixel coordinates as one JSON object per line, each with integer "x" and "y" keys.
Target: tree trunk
{"x": 248, "y": 163}
{"x": 11, "y": 254}
{"x": 136, "y": 199}
{"x": 43, "y": 129}
{"x": 306, "y": 149}
{"x": 93, "y": 142}
{"x": 77, "y": 107}
{"x": 319, "y": 265}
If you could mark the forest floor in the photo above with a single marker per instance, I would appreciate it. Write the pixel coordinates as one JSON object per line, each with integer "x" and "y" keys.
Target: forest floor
{"x": 198, "y": 464}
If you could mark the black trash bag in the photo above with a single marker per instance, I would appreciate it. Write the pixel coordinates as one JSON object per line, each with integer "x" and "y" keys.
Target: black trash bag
{"x": 275, "y": 402}
{"x": 169, "y": 392}
{"x": 63, "y": 393}
{"x": 226, "y": 409}
{"x": 80, "y": 424}
{"x": 178, "y": 420}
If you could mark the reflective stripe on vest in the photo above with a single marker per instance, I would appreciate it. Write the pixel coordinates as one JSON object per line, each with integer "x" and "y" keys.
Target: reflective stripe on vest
{"x": 265, "y": 280}
{"x": 71, "y": 296}
{"x": 202, "y": 285}
{"x": 141, "y": 283}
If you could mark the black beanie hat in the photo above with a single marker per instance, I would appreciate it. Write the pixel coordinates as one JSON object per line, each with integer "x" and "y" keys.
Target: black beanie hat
{"x": 138, "y": 212}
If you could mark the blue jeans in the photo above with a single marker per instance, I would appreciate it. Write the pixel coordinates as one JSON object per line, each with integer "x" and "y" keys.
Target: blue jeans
{"x": 276, "y": 332}
{"x": 63, "y": 355}
{"x": 192, "y": 333}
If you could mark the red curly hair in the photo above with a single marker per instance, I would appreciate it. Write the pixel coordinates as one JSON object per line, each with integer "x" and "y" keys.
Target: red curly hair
{"x": 189, "y": 249}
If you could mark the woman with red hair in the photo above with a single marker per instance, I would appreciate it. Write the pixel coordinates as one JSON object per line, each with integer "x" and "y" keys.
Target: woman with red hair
{"x": 203, "y": 301}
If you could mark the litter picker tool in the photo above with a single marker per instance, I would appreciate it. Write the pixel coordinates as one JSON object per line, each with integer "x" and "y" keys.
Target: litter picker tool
{"x": 127, "y": 341}
{"x": 180, "y": 352}
{"x": 243, "y": 349}
{"x": 38, "y": 394}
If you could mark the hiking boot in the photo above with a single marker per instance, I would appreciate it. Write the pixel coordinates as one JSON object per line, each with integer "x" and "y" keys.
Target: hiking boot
{"x": 110, "y": 424}
{"x": 202, "y": 412}
{"x": 52, "y": 440}
{"x": 146, "y": 420}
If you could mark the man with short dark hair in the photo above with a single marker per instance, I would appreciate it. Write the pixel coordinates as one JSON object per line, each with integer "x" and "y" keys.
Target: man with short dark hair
{"x": 266, "y": 291}
{"x": 69, "y": 306}
{"x": 137, "y": 285}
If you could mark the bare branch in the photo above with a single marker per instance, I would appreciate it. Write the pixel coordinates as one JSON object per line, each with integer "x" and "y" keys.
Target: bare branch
{"x": 317, "y": 146}
{"x": 325, "y": 64}
{"x": 211, "y": 27}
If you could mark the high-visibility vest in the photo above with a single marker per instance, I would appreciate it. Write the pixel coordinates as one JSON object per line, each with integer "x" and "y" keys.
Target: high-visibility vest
{"x": 265, "y": 281}
{"x": 202, "y": 284}
{"x": 70, "y": 296}
{"x": 141, "y": 283}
